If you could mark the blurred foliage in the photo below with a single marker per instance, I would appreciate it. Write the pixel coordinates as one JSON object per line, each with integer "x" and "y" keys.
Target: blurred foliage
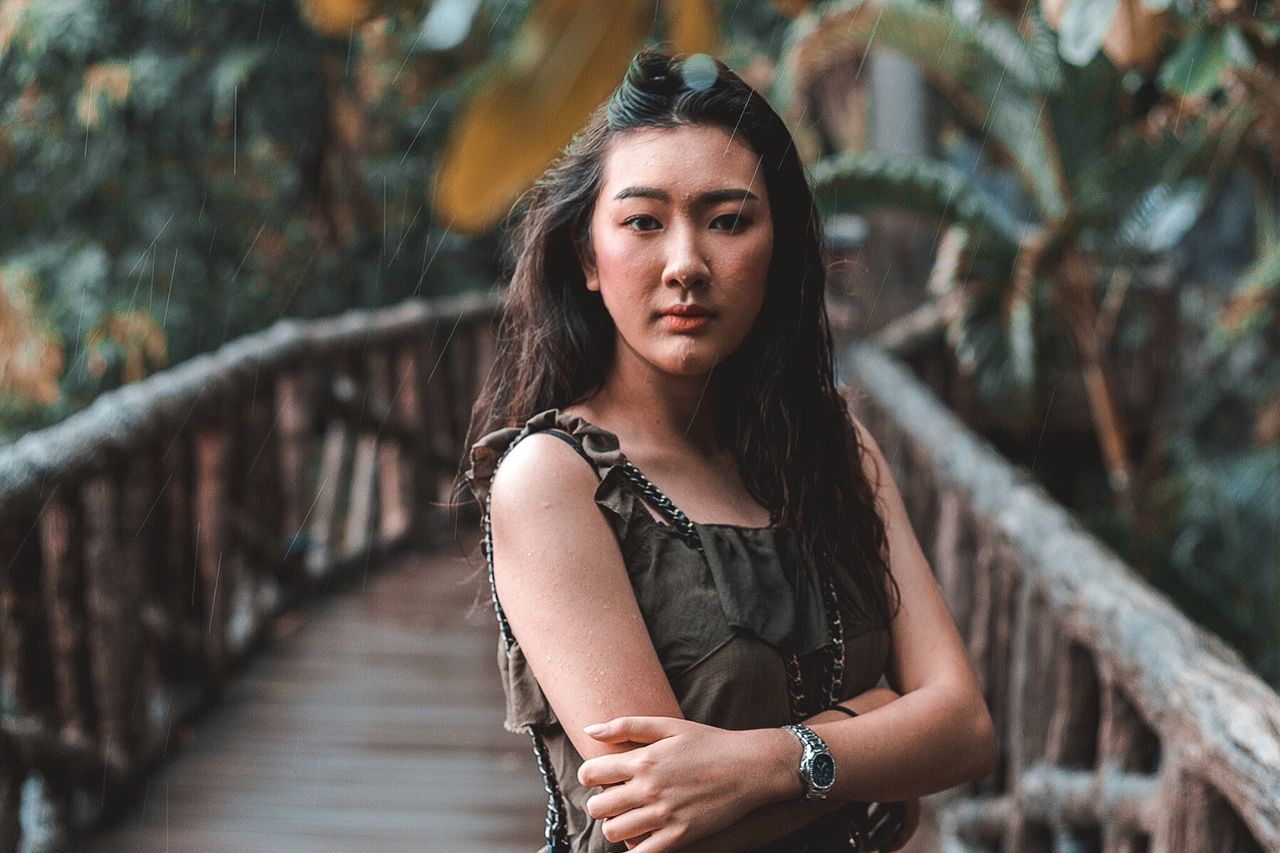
{"x": 568, "y": 57}
{"x": 1122, "y": 121}
{"x": 178, "y": 175}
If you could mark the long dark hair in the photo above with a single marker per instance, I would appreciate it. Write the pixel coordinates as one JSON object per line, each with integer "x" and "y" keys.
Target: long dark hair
{"x": 775, "y": 401}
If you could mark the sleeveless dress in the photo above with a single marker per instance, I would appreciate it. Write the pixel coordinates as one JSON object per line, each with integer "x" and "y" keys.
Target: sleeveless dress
{"x": 718, "y": 620}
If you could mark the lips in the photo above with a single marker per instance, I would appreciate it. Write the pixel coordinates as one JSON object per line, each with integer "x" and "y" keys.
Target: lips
{"x": 686, "y": 318}
{"x": 686, "y": 311}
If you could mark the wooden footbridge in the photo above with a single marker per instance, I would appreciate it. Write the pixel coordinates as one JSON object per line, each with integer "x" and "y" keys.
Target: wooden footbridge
{"x": 234, "y": 615}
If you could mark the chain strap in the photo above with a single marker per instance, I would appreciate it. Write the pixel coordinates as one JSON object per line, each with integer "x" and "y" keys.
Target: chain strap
{"x": 678, "y": 519}
{"x": 833, "y": 663}
{"x": 556, "y": 829}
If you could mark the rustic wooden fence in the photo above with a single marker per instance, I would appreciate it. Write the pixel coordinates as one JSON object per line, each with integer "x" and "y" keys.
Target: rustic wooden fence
{"x": 147, "y": 542}
{"x": 1123, "y": 727}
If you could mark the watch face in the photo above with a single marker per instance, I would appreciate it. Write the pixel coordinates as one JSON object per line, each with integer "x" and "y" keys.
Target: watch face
{"x": 824, "y": 770}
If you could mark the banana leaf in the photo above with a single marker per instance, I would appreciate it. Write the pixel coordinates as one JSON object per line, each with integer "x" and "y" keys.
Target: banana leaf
{"x": 854, "y": 182}
{"x": 994, "y": 82}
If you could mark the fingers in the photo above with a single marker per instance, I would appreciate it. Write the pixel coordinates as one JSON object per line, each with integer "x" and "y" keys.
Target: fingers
{"x": 605, "y": 770}
{"x": 659, "y": 842}
{"x": 632, "y": 729}
{"x": 616, "y": 800}
{"x": 636, "y": 822}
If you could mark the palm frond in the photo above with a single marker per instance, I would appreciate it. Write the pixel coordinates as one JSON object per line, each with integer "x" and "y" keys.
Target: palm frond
{"x": 850, "y": 182}
{"x": 974, "y": 66}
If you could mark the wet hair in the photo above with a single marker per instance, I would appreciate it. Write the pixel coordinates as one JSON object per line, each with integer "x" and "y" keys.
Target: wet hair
{"x": 775, "y": 401}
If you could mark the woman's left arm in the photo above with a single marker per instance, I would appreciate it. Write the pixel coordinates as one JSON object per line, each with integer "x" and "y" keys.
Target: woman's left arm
{"x": 939, "y": 734}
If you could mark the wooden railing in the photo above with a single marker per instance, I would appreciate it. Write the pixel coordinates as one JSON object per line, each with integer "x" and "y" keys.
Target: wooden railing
{"x": 146, "y": 542}
{"x": 1123, "y": 728}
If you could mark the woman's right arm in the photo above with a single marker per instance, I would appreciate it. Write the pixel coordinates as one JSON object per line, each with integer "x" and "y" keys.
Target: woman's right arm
{"x": 565, "y": 591}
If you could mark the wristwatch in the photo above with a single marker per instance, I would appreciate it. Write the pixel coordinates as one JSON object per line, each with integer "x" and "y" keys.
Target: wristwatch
{"x": 817, "y": 764}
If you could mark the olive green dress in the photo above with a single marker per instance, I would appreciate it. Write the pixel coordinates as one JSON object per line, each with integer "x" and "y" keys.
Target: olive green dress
{"x": 717, "y": 620}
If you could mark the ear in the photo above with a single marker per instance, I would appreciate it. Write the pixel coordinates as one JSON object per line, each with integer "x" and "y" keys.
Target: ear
{"x": 587, "y": 260}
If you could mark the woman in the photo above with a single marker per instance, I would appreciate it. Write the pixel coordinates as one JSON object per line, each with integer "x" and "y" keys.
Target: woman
{"x": 681, "y": 522}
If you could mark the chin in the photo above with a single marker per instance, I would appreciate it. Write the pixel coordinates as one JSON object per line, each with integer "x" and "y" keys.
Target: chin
{"x": 691, "y": 361}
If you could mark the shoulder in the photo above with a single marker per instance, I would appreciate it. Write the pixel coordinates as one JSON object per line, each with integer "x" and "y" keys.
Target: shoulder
{"x": 874, "y": 465}
{"x": 540, "y": 475}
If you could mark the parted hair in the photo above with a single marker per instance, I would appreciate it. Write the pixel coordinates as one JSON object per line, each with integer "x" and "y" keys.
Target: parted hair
{"x": 775, "y": 400}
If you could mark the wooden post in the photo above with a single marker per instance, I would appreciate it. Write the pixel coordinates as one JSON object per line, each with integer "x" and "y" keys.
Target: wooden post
{"x": 179, "y": 597}
{"x": 393, "y": 514}
{"x": 62, "y": 543}
{"x": 415, "y": 473}
{"x": 294, "y": 412}
{"x": 12, "y": 775}
{"x": 212, "y": 540}
{"x": 113, "y": 624}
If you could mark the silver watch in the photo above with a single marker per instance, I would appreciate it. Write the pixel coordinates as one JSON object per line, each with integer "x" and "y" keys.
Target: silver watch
{"x": 817, "y": 764}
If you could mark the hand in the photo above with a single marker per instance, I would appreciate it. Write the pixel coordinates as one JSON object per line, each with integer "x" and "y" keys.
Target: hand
{"x": 686, "y": 780}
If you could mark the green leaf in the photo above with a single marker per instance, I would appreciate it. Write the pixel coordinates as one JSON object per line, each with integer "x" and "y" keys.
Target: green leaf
{"x": 1084, "y": 26}
{"x": 849, "y": 182}
{"x": 1197, "y": 65}
{"x": 1163, "y": 215}
{"x": 1237, "y": 47}
{"x": 997, "y": 96}
{"x": 989, "y": 327}
{"x": 1253, "y": 305}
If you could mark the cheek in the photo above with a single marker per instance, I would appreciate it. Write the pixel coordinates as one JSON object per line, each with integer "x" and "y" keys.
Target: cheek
{"x": 749, "y": 266}
{"x": 620, "y": 262}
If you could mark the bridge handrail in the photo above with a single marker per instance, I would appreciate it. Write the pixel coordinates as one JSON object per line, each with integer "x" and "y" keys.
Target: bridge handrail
{"x": 148, "y": 541}
{"x": 1121, "y": 721}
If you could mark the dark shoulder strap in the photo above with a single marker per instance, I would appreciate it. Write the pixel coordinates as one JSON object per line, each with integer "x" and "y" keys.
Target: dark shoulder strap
{"x": 576, "y": 445}
{"x": 556, "y": 826}
{"x": 663, "y": 504}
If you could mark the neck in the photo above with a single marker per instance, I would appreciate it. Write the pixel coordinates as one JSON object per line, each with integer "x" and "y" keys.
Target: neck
{"x": 659, "y": 409}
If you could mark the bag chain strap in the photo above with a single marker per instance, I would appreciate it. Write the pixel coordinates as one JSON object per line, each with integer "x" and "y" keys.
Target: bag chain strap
{"x": 556, "y": 829}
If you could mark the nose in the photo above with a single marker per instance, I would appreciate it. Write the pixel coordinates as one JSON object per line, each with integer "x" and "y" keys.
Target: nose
{"x": 686, "y": 267}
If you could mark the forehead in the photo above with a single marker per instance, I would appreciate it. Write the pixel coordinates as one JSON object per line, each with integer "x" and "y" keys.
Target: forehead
{"x": 682, "y": 160}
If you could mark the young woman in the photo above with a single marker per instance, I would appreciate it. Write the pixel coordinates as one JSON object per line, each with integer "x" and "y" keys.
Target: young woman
{"x": 691, "y": 542}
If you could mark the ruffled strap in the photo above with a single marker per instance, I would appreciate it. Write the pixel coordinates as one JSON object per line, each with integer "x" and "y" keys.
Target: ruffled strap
{"x": 599, "y": 445}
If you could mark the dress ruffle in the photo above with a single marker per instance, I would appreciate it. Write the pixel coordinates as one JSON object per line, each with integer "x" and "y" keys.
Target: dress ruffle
{"x": 748, "y": 580}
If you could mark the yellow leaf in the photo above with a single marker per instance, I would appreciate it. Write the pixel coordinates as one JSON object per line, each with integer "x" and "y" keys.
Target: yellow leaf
{"x": 137, "y": 335}
{"x": 693, "y": 26}
{"x": 335, "y": 18}
{"x": 31, "y": 356}
{"x": 109, "y": 79}
{"x": 568, "y": 56}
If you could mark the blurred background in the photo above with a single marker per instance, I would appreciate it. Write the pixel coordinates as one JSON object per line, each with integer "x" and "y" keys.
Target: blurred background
{"x": 1060, "y": 215}
{"x": 177, "y": 175}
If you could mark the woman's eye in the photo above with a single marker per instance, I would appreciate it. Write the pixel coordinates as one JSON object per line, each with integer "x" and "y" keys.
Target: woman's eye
{"x": 643, "y": 223}
{"x": 731, "y": 222}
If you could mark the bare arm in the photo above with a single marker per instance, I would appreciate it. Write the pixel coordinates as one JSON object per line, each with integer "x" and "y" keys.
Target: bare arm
{"x": 777, "y": 820}
{"x": 564, "y": 588}
{"x": 937, "y": 735}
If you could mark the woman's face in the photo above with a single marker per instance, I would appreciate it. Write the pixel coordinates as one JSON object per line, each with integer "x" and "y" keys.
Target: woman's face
{"x": 682, "y": 222}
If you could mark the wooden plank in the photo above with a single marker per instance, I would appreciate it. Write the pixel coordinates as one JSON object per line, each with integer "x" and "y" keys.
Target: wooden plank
{"x": 372, "y": 722}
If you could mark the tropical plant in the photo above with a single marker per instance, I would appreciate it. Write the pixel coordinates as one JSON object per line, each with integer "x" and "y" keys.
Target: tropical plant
{"x": 177, "y": 175}
{"x": 1122, "y": 119}
{"x": 1113, "y": 173}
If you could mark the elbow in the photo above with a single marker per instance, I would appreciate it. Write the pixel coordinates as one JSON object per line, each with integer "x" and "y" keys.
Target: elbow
{"x": 984, "y": 748}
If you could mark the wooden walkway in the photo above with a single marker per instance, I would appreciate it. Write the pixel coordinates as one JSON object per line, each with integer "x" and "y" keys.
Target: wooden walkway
{"x": 372, "y": 722}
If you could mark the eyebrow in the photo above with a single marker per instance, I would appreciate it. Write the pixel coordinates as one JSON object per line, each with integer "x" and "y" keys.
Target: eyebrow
{"x": 710, "y": 197}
